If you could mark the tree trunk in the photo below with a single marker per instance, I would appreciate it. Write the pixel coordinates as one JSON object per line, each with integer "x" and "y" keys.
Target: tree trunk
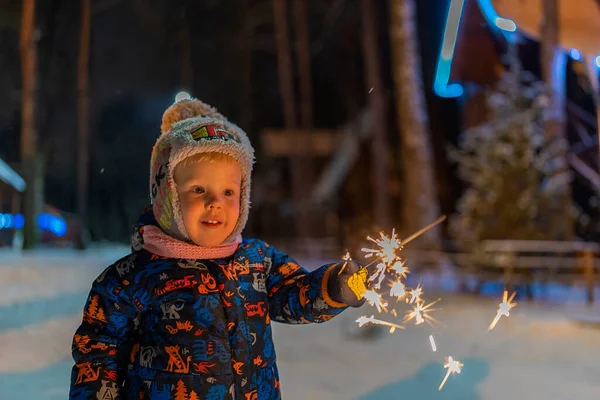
{"x": 379, "y": 130}
{"x": 420, "y": 202}
{"x": 30, "y": 157}
{"x": 244, "y": 50}
{"x": 304, "y": 70}
{"x": 83, "y": 151}
{"x": 303, "y": 56}
{"x": 554, "y": 63}
{"x": 286, "y": 87}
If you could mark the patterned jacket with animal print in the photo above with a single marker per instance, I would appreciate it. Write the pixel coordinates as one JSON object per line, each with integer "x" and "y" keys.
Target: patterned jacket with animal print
{"x": 181, "y": 329}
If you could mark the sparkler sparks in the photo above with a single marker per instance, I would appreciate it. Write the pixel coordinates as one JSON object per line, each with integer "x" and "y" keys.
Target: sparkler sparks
{"x": 416, "y": 294}
{"x": 375, "y": 299}
{"x": 503, "y": 308}
{"x": 389, "y": 260}
{"x": 387, "y": 247}
{"x": 378, "y": 275}
{"x": 398, "y": 290}
{"x": 346, "y": 257}
{"x": 400, "y": 269}
{"x": 432, "y": 342}
{"x": 421, "y": 313}
{"x": 365, "y": 320}
{"x": 453, "y": 366}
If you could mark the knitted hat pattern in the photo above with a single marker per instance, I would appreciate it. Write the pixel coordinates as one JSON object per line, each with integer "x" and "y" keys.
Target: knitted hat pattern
{"x": 190, "y": 127}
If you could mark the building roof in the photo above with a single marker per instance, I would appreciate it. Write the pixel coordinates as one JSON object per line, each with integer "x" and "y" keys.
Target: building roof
{"x": 8, "y": 175}
{"x": 442, "y": 85}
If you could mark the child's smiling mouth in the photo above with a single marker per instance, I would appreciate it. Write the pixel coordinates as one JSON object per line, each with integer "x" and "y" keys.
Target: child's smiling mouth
{"x": 212, "y": 223}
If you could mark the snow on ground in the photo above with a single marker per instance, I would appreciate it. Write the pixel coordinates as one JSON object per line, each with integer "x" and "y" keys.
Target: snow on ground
{"x": 540, "y": 352}
{"x": 49, "y": 272}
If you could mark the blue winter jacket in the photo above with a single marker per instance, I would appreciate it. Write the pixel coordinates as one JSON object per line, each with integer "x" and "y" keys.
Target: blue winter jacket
{"x": 163, "y": 328}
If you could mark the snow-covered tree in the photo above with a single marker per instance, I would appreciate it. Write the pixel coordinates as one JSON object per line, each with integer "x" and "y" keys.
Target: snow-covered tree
{"x": 516, "y": 185}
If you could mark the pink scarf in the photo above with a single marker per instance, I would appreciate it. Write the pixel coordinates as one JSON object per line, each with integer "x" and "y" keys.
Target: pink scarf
{"x": 158, "y": 242}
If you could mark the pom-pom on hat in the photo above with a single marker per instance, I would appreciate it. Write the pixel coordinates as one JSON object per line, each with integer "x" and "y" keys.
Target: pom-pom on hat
{"x": 190, "y": 127}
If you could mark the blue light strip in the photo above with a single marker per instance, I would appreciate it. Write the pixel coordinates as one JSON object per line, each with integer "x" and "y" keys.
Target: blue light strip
{"x": 441, "y": 84}
{"x": 505, "y": 26}
{"x": 46, "y": 222}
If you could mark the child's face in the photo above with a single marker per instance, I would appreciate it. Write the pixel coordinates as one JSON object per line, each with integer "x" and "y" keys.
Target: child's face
{"x": 209, "y": 193}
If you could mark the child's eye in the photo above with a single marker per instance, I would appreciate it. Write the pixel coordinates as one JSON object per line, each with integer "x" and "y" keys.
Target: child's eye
{"x": 228, "y": 192}
{"x": 198, "y": 190}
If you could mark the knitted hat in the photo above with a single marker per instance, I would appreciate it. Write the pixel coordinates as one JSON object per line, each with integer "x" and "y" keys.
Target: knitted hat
{"x": 190, "y": 127}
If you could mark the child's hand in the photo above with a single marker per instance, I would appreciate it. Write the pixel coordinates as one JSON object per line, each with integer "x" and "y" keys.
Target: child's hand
{"x": 348, "y": 284}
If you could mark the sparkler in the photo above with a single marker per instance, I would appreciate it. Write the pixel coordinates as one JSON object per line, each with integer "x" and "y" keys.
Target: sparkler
{"x": 389, "y": 260}
{"x": 503, "y": 308}
{"x": 422, "y": 231}
{"x": 432, "y": 342}
{"x": 365, "y": 320}
{"x": 453, "y": 366}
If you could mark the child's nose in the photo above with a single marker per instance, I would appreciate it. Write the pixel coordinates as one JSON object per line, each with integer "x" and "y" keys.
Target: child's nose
{"x": 213, "y": 201}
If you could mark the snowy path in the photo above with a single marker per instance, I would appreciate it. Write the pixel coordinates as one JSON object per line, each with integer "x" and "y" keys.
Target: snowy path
{"x": 539, "y": 352}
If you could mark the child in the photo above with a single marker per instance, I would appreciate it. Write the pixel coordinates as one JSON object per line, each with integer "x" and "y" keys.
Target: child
{"x": 187, "y": 314}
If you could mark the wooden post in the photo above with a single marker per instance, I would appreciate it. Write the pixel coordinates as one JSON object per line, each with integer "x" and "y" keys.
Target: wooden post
{"x": 554, "y": 72}
{"x": 379, "y": 143}
{"x": 83, "y": 151}
{"x": 304, "y": 64}
{"x": 30, "y": 159}
{"x": 419, "y": 198}
{"x": 303, "y": 57}
{"x": 15, "y": 208}
{"x": 509, "y": 264}
{"x": 286, "y": 88}
{"x": 589, "y": 260}
{"x": 15, "y": 203}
